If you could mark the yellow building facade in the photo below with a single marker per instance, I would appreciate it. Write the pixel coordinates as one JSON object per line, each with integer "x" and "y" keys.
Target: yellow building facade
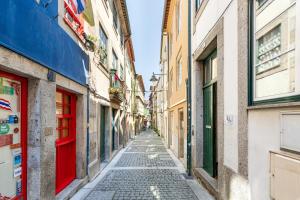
{"x": 175, "y": 27}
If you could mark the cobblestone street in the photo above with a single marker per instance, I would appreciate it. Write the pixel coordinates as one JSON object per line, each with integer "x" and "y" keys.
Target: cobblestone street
{"x": 144, "y": 170}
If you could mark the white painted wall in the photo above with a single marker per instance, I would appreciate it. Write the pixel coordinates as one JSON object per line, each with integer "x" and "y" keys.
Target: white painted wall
{"x": 211, "y": 14}
{"x": 264, "y": 136}
{"x": 231, "y": 87}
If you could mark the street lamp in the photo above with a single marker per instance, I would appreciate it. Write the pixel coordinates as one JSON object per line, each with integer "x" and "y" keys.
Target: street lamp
{"x": 154, "y": 80}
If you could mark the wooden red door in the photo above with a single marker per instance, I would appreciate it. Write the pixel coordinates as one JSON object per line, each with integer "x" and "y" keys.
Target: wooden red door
{"x": 65, "y": 139}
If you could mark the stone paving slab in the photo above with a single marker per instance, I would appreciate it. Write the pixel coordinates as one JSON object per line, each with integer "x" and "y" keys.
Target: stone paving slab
{"x": 148, "y": 142}
{"x": 144, "y": 171}
{"x": 145, "y": 184}
{"x": 146, "y": 149}
{"x": 145, "y": 160}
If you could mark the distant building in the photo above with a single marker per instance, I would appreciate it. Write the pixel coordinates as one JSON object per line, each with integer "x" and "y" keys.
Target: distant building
{"x": 174, "y": 57}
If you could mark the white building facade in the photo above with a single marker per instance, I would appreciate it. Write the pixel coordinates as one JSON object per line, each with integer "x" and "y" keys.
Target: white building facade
{"x": 245, "y": 98}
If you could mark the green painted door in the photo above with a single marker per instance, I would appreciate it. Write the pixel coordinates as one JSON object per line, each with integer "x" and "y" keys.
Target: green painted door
{"x": 209, "y": 115}
{"x": 102, "y": 134}
{"x": 113, "y": 130}
{"x": 208, "y": 137}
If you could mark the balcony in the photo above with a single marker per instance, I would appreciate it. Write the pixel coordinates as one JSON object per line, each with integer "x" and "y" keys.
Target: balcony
{"x": 116, "y": 89}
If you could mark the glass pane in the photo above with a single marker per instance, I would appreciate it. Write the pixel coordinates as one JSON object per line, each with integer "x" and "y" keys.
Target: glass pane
{"x": 59, "y": 109}
{"x": 274, "y": 66}
{"x": 57, "y": 134}
{"x": 10, "y": 138}
{"x": 59, "y": 97}
{"x": 64, "y": 133}
{"x": 58, "y": 123}
{"x": 214, "y": 68}
{"x": 207, "y": 73}
{"x": 67, "y": 99}
{"x": 65, "y": 123}
{"x": 67, "y": 110}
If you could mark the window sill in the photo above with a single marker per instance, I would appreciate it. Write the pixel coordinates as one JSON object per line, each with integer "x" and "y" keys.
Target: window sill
{"x": 273, "y": 105}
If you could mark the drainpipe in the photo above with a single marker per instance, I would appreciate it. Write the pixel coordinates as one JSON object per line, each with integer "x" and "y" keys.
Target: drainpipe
{"x": 189, "y": 94}
{"x": 88, "y": 132}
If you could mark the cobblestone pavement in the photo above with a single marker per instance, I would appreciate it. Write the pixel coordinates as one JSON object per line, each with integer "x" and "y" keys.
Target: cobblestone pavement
{"x": 145, "y": 170}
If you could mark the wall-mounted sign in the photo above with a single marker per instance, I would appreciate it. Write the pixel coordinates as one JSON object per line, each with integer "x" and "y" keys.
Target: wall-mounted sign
{"x": 17, "y": 158}
{"x": 17, "y": 172}
{"x": 6, "y": 140}
{"x": 6, "y": 89}
{"x": 18, "y": 187}
{"x": 4, "y": 129}
{"x": 13, "y": 119}
{"x": 4, "y": 104}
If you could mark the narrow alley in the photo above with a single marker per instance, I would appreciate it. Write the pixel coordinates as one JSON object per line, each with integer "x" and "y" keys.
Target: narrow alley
{"x": 143, "y": 170}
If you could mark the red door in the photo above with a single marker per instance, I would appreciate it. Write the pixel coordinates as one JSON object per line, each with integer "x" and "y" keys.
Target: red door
{"x": 65, "y": 139}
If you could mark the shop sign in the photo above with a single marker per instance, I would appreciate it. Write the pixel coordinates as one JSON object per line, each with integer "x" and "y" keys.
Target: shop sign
{"x": 6, "y": 140}
{"x": 4, "y": 129}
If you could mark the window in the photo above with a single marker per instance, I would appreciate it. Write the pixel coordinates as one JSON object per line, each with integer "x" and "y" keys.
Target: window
{"x": 103, "y": 38}
{"x": 260, "y": 3}
{"x": 115, "y": 16}
{"x": 273, "y": 69}
{"x": 171, "y": 44}
{"x": 171, "y": 82}
{"x": 198, "y": 4}
{"x": 114, "y": 61}
{"x": 179, "y": 72}
{"x": 210, "y": 68}
{"x": 121, "y": 37}
{"x": 121, "y": 72}
{"x": 178, "y": 15}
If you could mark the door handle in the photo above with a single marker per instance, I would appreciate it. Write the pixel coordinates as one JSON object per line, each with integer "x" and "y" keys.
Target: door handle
{"x": 207, "y": 126}
{"x": 1, "y": 163}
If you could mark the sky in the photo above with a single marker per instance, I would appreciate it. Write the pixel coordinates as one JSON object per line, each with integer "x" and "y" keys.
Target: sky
{"x": 146, "y": 20}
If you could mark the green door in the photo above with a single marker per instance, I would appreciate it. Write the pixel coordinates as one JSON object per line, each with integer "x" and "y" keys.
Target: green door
{"x": 209, "y": 115}
{"x": 113, "y": 130}
{"x": 102, "y": 134}
{"x": 208, "y": 137}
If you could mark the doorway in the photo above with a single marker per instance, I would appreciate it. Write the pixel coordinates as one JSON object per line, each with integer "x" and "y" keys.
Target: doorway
{"x": 65, "y": 139}
{"x": 209, "y": 115}
{"x": 114, "y": 129}
{"x": 181, "y": 133}
{"x": 102, "y": 133}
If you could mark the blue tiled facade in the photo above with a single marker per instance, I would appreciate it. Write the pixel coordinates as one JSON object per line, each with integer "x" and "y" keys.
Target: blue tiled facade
{"x": 32, "y": 30}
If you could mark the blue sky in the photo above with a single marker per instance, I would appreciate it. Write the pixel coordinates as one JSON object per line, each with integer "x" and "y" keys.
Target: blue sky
{"x": 145, "y": 20}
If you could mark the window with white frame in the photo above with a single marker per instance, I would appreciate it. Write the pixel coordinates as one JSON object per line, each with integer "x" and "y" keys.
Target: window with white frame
{"x": 103, "y": 38}
{"x": 179, "y": 72}
{"x": 178, "y": 16}
{"x": 275, "y": 70}
{"x": 171, "y": 82}
{"x": 114, "y": 60}
{"x": 115, "y": 16}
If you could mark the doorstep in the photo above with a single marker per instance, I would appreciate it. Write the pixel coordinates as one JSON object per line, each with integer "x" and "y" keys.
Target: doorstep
{"x": 207, "y": 181}
{"x": 71, "y": 189}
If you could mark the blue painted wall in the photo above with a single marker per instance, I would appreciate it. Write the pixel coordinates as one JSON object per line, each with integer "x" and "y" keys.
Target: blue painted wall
{"x": 32, "y": 30}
